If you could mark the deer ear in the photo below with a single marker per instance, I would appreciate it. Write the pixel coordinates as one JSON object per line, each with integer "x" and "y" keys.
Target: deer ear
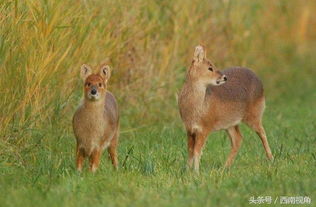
{"x": 85, "y": 71}
{"x": 199, "y": 54}
{"x": 105, "y": 72}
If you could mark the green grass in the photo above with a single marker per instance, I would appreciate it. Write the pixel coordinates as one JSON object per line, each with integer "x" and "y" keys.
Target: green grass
{"x": 152, "y": 167}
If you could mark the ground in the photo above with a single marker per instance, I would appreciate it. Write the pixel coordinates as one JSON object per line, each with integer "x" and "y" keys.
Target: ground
{"x": 152, "y": 167}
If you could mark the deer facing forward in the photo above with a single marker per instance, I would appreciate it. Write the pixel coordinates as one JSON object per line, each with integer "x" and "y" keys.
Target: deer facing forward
{"x": 211, "y": 100}
{"x": 96, "y": 121}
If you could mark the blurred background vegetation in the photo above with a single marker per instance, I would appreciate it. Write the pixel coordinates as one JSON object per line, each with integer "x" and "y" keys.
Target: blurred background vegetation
{"x": 149, "y": 44}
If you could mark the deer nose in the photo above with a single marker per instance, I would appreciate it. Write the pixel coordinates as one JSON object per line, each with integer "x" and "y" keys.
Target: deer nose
{"x": 93, "y": 91}
{"x": 225, "y": 78}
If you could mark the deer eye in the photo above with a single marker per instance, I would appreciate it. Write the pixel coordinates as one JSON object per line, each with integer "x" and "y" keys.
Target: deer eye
{"x": 210, "y": 69}
{"x": 100, "y": 85}
{"x": 88, "y": 84}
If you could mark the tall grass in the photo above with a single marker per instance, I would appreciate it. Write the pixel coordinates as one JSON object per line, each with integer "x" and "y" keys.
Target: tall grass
{"x": 149, "y": 45}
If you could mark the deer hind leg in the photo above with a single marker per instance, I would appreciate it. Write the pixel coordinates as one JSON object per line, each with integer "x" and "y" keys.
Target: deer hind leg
{"x": 80, "y": 156}
{"x": 253, "y": 120}
{"x": 258, "y": 128}
{"x": 95, "y": 159}
{"x": 236, "y": 140}
{"x": 112, "y": 150}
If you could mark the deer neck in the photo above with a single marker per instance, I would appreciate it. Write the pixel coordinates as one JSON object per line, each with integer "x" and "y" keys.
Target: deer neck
{"x": 197, "y": 91}
{"x": 94, "y": 106}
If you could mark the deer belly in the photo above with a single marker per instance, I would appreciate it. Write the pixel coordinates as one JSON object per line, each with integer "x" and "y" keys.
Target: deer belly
{"x": 225, "y": 124}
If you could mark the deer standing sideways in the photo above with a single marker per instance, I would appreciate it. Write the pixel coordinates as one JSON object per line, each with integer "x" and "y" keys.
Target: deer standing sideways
{"x": 212, "y": 100}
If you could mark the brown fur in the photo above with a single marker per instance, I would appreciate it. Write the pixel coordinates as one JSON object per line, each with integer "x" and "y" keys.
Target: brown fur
{"x": 206, "y": 106}
{"x": 96, "y": 121}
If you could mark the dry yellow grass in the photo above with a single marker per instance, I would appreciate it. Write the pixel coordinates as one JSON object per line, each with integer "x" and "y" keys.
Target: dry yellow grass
{"x": 148, "y": 43}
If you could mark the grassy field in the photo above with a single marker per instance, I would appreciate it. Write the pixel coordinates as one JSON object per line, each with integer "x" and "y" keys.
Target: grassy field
{"x": 149, "y": 45}
{"x": 152, "y": 170}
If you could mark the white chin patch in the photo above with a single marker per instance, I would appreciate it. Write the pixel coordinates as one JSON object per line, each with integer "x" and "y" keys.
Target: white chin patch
{"x": 93, "y": 97}
{"x": 219, "y": 82}
{"x": 216, "y": 82}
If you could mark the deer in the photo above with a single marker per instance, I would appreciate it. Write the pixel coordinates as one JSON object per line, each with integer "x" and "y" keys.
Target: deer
{"x": 96, "y": 120}
{"x": 211, "y": 100}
